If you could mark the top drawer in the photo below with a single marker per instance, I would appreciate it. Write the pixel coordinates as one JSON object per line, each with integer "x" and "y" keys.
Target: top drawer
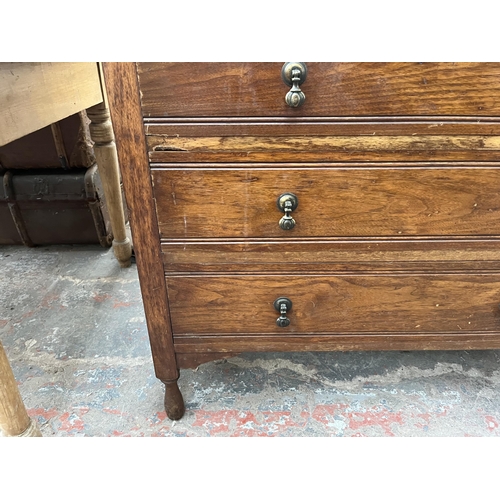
{"x": 331, "y": 90}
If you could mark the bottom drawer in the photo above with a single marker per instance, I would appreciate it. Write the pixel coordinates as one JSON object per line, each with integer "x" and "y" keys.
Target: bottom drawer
{"x": 335, "y": 304}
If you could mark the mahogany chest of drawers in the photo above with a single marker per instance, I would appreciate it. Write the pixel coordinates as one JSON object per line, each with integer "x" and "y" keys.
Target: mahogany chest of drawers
{"x": 317, "y": 206}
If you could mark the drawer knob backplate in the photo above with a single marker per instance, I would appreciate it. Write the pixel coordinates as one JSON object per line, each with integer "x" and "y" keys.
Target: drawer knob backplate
{"x": 294, "y": 74}
{"x": 287, "y": 202}
{"x": 283, "y": 305}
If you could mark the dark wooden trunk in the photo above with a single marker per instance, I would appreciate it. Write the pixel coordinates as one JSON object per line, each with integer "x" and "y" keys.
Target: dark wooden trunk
{"x": 53, "y": 206}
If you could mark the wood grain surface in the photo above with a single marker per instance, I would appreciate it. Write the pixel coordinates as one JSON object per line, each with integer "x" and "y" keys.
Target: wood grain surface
{"x": 410, "y": 126}
{"x": 322, "y": 148}
{"x": 194, "y": 203}
{"x": 123, "y": 95}
{"x": 232, "y": 344}
{"x": 396, "y": 168}
{"x": 36, "y": 94}
{"x": 402, "y": 303}
{"x": 331, "y": 89}
{"x": 312, "y": 256}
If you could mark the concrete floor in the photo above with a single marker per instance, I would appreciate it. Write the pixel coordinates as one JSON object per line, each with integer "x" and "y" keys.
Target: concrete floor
{"x": 72, "y": 324}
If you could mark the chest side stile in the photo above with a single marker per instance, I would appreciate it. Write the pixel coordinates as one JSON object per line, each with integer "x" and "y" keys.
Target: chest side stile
{"x": 123, "y": 94}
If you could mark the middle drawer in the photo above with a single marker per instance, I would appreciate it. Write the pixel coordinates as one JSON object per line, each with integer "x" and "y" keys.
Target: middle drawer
{"x": 393, "y": 201}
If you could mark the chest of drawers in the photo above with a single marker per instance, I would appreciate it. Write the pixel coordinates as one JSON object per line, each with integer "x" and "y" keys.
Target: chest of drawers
{"x": 366, "y": 216}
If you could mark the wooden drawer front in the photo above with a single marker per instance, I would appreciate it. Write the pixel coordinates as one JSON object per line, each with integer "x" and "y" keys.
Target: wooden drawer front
{"x": 359, "y": 303}
{"x": 195, "y": 203}
{"x": 331, "y": 89}
{"x": 312, "y": 256}
{"x": 323, "y": 142}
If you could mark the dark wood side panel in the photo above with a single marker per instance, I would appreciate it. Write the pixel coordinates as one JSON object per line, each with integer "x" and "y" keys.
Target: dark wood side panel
{"x": 194, "y": 203}
{"x": 123, "y": 95}
{"x": 331, "y": 89}
{"x": 311, "y": 343}
{"x": 329, "y": 256}
{"x": 399, "y": 303}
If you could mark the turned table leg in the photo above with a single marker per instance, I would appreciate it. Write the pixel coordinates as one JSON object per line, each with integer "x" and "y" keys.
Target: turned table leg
{"x": 14, "y": 420}
{"x": 101, "y": 132}
{"x": 174, "y": 403}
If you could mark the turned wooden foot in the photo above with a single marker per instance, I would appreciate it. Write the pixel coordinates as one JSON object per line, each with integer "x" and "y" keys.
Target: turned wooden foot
{"x": 174, "y": 403}
{"x": 123, "y": 252}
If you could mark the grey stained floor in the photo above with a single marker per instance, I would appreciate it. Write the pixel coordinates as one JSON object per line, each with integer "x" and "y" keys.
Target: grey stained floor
{"x": 72, "y": 324}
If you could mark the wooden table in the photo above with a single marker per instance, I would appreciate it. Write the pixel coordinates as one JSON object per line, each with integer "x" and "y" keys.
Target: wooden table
{"x": 34, "y": 96}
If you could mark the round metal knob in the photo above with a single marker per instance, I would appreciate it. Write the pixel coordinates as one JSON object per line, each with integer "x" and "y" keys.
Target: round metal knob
{"x": 283, "y": 322}
{"x": 287, "y": 222}
{"x": 295, "y": 97}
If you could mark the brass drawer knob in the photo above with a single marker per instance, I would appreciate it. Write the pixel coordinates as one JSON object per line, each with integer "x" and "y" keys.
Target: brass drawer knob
{"x": 287, "y": 202}
{"x": 283, "y": 305}
{"x": 294, "y": 74}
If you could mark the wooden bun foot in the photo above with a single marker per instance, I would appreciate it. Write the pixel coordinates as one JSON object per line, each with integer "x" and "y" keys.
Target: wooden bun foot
{"x": 174, "y": 403}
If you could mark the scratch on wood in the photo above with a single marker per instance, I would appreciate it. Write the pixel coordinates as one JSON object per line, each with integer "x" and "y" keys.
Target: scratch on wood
{"x": 172, "y": 184}
{"x": 162, "y": 135}
{"x": 168, "y": 148}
